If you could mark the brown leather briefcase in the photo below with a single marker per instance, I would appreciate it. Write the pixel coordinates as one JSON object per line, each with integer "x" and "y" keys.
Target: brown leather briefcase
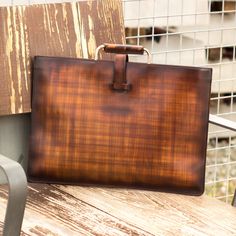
{"x": 118, "y": 123}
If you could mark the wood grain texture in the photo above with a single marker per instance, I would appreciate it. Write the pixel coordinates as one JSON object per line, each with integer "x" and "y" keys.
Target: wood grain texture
{"x": 161, "y": 213}
{"x": 70, "y": 210}
{"x": 84, "y": 131}
{"x": 50, "y": 211}
{"x": 68, "y": 29}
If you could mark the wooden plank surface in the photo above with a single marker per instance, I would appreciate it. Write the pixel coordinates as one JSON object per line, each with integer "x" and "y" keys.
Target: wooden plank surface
{"x": 67, "y": 29}
{"x": 161, "y": 213}
{"x": 53, "y": 212}
{"x": 74, "y": 210}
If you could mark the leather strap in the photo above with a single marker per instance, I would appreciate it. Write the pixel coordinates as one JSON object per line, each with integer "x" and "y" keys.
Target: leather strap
{"x": 123, "y": 49}
{"x": 119, "y": 80}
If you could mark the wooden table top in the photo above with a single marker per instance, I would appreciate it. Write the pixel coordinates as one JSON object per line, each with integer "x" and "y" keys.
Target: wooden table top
{"x": 73, "y": 210}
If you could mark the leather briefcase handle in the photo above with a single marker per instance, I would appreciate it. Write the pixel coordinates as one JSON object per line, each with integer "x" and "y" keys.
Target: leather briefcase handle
{"x": 120, "y": 82}
{"x": 123, "y": 49}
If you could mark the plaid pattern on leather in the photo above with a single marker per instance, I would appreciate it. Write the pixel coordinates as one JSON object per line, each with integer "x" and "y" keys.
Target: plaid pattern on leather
{"x": 153, "y": 136}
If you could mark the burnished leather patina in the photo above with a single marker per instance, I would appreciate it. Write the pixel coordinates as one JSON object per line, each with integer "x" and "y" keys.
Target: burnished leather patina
{"x": 87, "y": 128}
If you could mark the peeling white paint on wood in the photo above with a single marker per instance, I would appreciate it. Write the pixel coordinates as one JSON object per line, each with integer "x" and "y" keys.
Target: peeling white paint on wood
{"x": 74, "y": 210}
{"x": 8, "y": 50}
{"x": 83, "y": 38}
{"x": 78, "y": 30}
{"x": 91, "y": 41}
{"x": 67, "y": 29}
{"x": 161, "y": 213}
{"x": 51, "y": 211}
{"x": 24, "y": 48}
{"x": 18, "y": 57}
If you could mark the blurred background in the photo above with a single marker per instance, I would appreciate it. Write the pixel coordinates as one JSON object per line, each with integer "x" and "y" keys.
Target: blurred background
{"x": 184, "y": 32}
